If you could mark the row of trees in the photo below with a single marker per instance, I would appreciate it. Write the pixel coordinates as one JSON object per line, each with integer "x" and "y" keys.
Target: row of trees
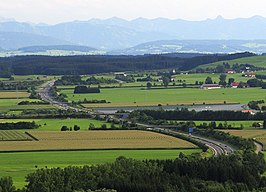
{"x": 65, "y": 128}
{"x": 84, "y": 89}
{"x": 19, "y": 125}
{"x": 77, "y": 80}
{"x": 19, "y": 85}
{"x": 184, "y": 114}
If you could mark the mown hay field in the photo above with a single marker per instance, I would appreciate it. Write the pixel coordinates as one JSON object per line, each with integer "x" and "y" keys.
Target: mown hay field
{"x": 10, "y": 135}
{"x": 96, "y": 140}
{"x": 259, "y": 135}
{"x": 14, "y": 94}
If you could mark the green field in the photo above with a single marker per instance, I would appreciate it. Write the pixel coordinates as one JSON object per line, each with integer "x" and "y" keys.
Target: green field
{"x": 259, "y": 61}
{"x": 56, "y": 124}
{"x": 187, "y": 78}
{"x": 192, "y": 78}
{"x": 18, "y": 165}
{"x": 12, "y": 105}
{"x": 153, "y": 97}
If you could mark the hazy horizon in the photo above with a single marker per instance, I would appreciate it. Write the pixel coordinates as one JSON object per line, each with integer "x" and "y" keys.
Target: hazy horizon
{"x": 57, "y": 11}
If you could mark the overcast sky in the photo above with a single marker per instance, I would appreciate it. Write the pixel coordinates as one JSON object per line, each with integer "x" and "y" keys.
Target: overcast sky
{"x": 55, "y": 11}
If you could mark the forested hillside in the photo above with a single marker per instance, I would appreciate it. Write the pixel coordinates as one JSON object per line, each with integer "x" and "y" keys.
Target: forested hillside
{"x": 73, "y": 65}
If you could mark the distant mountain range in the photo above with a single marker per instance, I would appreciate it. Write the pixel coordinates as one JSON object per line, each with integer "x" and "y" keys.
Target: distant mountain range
{"x": 143, "y": 35}
{"x": 34, "y": 49}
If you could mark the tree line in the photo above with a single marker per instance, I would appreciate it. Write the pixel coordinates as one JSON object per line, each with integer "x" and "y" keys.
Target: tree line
{"x": 78, "y": 65}
{"x": 237, "y": 172}
{"x": 18, "y": 125}
{"x": 184, "y": 114}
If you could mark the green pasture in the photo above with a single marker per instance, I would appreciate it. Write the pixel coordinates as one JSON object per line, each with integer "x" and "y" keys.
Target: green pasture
{"x": 192, "y": 78}
{"x": 7, "y": 105}
{"x": 171, "y": 96}
{"x": 186, "y": 78}
{"x": 56, "y": 124}
{"x": 18, "y": 165}
{"x": 259, "y": 61}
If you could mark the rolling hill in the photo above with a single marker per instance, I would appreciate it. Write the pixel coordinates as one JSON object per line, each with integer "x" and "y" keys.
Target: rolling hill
{"x": 16, "y": 40}
{"x": 259, "y": 61}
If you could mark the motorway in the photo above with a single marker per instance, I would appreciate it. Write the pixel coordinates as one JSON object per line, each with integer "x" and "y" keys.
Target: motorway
{"x": 217, "y": 147}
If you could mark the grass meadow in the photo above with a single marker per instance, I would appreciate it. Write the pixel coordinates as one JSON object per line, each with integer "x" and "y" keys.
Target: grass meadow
{"x": 19, "y": 164}
{"x": 12, "y": 105}
{"x": 170, "y": 96}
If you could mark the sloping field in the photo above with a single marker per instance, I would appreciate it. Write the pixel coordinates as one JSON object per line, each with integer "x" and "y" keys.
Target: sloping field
{"x": 259, "y": 61}
{"x": 259, "y": 135}
{"x": 96, "y": 140}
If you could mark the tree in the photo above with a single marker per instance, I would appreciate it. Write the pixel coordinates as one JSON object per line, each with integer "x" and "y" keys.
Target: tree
{"x": 264, "y": 124}
{"x": 6, "y": 184}
{"x": 64, "y": 128}
{"x": 222, "y": 80}
{"x": 91, "y": 126}
{"x": 104, "y": 126}
{"x": 76, "y": 128}
{"x": 231, "y": 80}
{"x": 149, "y": 85}
{"x": 255, "y": 83}
{"x": 113, "y": 126}
{"x": 166, "y": 81}
{"x": 208, "y": 80}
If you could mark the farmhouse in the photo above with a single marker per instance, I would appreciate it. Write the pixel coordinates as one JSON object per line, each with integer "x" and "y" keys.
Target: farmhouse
{"x": 210, "y": 86}
{"x": 121, "y": 74}
{"x": 230, "y": 71}
{"x": 235, "y": 84}
{"x": 253, "y": 75}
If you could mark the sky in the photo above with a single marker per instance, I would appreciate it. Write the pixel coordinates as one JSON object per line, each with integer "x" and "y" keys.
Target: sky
{"x": 56, "y": 11}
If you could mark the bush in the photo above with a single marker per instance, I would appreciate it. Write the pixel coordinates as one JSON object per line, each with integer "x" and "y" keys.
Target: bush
{"x": 85, "y": 89}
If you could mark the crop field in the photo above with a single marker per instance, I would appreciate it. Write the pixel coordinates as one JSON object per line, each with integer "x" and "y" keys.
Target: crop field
{"x": 56, "y": 124}
{"x": 18, "y": 165}
{"x": 13, "y": 94}
{"x": 96, "y": 140}
{"x": 13, "y": 136}
{"x": 174, "y": 96}
{"x": 259, "y": 135}
{"x": 259, "y": 61}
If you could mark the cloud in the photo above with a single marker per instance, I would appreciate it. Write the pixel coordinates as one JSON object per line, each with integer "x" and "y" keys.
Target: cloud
{"x": 53, "y": 11}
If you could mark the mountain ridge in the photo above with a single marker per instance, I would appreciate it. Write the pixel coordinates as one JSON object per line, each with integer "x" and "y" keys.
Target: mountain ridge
{"x": 116, "y": 33}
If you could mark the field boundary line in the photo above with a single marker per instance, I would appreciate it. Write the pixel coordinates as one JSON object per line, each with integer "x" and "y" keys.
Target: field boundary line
{"x": 31, "y": 136}
{"x": 98, "y": 149}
